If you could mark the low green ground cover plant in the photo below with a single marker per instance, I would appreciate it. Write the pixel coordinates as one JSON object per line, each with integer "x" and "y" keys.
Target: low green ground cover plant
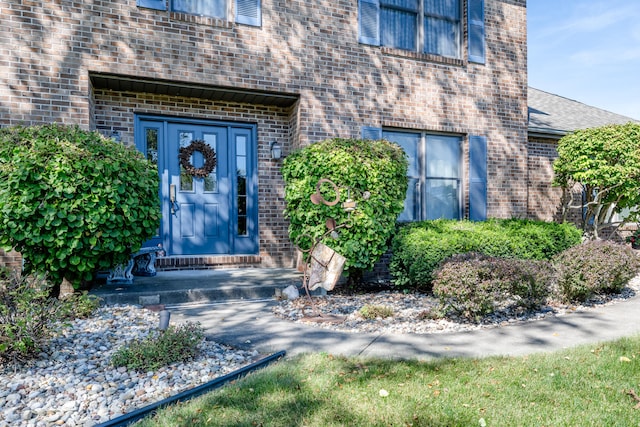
{"x": 593, "y": 268}
{"x": 420, "y": 248}
{"x": 474, "y": 285}
{"x": 370, "y": 311}
{"x": 588, "y": 385}
{"x": 29, "y": 315}
{"x": 161, "y": 348}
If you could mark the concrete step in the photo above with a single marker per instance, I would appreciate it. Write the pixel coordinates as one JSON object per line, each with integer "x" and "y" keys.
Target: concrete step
{"x": 200, "y": 286}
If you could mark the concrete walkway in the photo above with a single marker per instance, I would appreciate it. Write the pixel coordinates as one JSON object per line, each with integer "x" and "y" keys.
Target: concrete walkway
{"x": 234, "y": 306}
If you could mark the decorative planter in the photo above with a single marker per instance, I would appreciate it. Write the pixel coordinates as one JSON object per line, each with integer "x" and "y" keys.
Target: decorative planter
{"x": 635, "y": 245}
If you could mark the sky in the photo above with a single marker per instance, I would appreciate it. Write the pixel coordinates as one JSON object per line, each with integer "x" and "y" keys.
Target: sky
{"x": 587, "y": 50}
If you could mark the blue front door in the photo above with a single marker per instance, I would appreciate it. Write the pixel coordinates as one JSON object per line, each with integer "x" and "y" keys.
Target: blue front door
{"x": 201, "y": 206}
{"x": 204, "y": 214}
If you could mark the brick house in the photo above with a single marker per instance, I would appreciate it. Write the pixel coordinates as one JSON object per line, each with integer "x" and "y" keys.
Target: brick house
{"x": 446, "y": 79}
{"x": 550, "y": 118}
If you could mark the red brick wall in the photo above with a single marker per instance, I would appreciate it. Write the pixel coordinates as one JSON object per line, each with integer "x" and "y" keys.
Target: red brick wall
{"x": 10, "y": 259}
{"x": 309, "y": 49}
{"x": 544, "y": 199}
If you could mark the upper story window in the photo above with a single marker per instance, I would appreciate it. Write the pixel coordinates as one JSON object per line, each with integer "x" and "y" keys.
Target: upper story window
{"x": 245, "y": 11}
{"x": 210, "y": 8}
{"x": 426, "y": 26}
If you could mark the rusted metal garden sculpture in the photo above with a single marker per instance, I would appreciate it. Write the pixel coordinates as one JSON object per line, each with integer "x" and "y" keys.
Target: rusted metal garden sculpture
{"x": 323, "y": 266}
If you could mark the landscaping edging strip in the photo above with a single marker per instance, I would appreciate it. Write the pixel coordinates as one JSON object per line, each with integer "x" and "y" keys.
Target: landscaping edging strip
{"x": 186, "y": 395}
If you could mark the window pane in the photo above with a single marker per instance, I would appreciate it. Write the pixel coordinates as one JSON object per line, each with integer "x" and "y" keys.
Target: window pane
{"x": 411, "y": 210}
{"x": 213, "y": 8}
{"x": 151, "y": 139}
{"x": 406, "y": 4}
{"x": 186, "y": 180}
{"x": 398, "y": 29}
{"x": 443, "y": 157}
{"x": 410, "y": 143}
{"x": 441, "y": 37}
{"x": 211, "y": 180}
{"x": 443, "y": 8}
{"x": 442, "y": 198}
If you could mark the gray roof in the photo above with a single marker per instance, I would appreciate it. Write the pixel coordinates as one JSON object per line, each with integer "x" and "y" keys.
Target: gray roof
{"x": 554, "y": 116}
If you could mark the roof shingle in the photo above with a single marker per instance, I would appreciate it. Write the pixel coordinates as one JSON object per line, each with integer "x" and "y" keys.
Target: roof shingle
{"x": 554, "y": 116}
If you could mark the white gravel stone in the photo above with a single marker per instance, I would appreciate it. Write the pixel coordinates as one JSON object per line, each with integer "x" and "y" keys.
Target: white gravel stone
{"x": 73, "y": 383}
{"x": 412, "y": 312}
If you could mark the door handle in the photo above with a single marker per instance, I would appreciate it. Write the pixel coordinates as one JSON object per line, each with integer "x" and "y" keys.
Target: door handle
{"x": 172, "y": 199}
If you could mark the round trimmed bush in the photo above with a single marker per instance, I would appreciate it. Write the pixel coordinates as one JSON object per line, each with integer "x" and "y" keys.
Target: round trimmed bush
{"x": 593, "y": 268}
{"x": 72, "y": 201}
{"x": 473, "y": 285}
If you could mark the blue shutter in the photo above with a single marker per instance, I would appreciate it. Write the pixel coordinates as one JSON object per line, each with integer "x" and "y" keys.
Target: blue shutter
{"x": 249, "y": 12}
{"x": 477, "y": 178}
{"x": 368, "y": 132}
{"x": 369, "y": 21}
{"x": 476, "y": 31}
{"x": 152, "y": 4}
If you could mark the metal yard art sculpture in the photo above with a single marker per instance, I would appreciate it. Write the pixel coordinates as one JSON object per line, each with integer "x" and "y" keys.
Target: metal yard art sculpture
{"x": 324, "y": 266}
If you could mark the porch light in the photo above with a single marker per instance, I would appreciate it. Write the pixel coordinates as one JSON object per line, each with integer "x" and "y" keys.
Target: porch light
{"x": 276, "y": 150}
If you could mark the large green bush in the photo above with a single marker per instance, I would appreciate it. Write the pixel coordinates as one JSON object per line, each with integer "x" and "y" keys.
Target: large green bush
{"x": 73, "y": 202}
{"x": 474, "y": 285}
{"x": 596, "y": 267}
{"x": 420, "y": 248}
{"x": 356, "y": 166}
{"x": 599, "y": 172}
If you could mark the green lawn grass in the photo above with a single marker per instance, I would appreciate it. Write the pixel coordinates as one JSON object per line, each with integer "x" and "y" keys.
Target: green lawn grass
{"x": 585, "y": 386}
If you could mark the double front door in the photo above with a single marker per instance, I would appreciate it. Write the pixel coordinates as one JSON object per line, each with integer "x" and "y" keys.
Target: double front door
{"x": 208, "y": 187}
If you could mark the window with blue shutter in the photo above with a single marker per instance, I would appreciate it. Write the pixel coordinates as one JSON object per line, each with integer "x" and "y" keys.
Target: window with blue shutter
{"x": 434, "y": 174}
{"x": 476, "y": 31}
{"x": 477, "y": 178}
{"x": 212, "y": 8}
{"x": 368, "y": 21}
{"x": 429, "y": 26}
{"x": 248, "y": 12}
{"x": 152, "y": 4}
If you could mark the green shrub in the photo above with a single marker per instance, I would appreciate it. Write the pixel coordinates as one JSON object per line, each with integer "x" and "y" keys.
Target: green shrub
{"x": 73, "y": 202}
{"x": 370, "y": 311}
{"x": 593, "y": 268}
{"x": 420, "y": 248}
{"x": 161, "y": 348}
{"x": 27, "y": 315}
{"x": 475, "y": 285}
{"x": 356, "y": 166}
{"x": 79, "y": 305}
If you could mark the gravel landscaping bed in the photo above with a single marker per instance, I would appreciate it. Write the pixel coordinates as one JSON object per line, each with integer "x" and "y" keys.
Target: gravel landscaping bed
{"x": 415, "y": 312}
{"x": 72, "y": 382}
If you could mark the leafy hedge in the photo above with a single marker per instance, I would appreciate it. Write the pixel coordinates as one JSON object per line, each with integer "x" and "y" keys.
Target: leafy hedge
{"x": 420, "y": 248}
{"x": 73, "y": 202}
{"x": 596, "y": 267}
{"x": 355, "y": 166}
{"x": 474, "y": 285}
